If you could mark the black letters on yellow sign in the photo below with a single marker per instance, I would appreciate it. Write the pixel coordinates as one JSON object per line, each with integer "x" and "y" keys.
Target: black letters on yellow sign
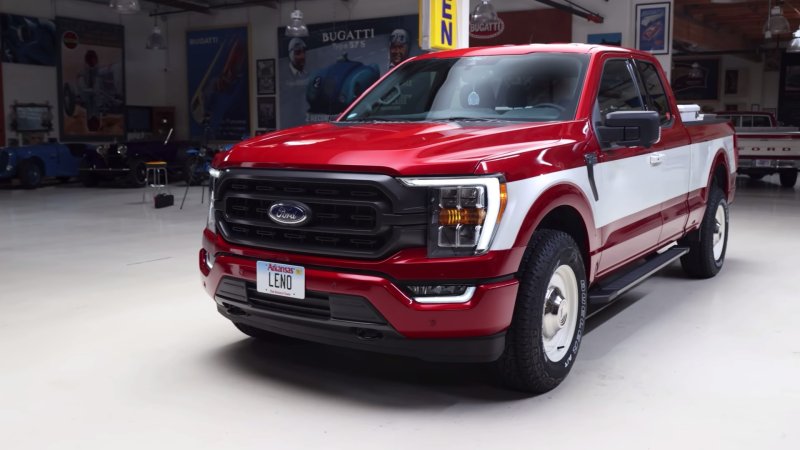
{"x": 280, "y": 281}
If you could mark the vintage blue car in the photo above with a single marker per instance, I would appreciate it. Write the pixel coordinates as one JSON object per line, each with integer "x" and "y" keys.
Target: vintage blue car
{"x": 32, "y": 163}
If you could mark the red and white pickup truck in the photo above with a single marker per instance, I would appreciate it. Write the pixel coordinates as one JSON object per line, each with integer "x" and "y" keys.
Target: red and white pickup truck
{"x": 765, "y": 147}
{"x": 473, "y": 205}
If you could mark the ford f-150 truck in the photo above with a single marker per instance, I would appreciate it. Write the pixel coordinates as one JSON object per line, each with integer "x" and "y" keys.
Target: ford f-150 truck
{"x": 472, "y": 205}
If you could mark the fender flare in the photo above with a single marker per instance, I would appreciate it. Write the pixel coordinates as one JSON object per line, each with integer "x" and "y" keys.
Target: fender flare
{"x": 563, "y": 194}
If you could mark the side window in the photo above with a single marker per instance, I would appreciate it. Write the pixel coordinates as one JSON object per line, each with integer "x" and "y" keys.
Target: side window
{"x": 747, "y": 121}
{"x": 618, "y": 90}
{"x": 761, "y": 121}
{"x": 657, "y": 98}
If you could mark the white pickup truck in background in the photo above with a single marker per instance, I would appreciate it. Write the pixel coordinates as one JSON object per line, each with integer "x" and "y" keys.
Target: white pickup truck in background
{"x": 765, "y": 148}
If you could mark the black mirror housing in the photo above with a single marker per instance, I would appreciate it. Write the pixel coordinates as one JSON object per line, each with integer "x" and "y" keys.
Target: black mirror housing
{"x": 630, "y": 129}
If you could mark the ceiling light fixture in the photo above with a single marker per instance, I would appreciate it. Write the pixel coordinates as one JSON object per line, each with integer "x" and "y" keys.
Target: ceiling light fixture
{"x": 125, "y": 6}
{"x": 156, "y": 40}
{"x": 776, "y": 23}
{"x": 483, "y": 13}
{"x": 296, "y": 27}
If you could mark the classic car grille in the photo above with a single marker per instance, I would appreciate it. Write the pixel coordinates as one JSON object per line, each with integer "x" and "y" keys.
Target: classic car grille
{"x": 363, "y": 216}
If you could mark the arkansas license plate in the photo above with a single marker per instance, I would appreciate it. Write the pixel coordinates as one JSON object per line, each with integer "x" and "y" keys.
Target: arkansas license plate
{"x": 281, "y": 279}
{"x": 763, "y": 163}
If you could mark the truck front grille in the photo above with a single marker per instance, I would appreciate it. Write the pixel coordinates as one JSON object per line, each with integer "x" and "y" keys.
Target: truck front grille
{"x": 352, "y": 215}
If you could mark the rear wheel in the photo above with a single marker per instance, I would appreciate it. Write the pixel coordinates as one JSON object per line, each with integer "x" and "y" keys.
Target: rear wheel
{"x": 756, "y": 176}
{"x": 63, "y": 179}
{"x": 30, "y": 174}
{"x": 708, "y": 245}
{"x": 549, "y": 316}
{"x": 788, "y": 178}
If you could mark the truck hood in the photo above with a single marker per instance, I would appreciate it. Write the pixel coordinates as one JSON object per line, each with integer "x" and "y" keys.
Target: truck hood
{"x": 415, "y": 148}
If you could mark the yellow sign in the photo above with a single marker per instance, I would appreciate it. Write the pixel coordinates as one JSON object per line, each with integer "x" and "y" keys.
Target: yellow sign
{"x": 439, "y": 24}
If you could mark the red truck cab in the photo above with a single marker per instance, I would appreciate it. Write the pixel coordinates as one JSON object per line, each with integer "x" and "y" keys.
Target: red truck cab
{"x": 473, "y": 205}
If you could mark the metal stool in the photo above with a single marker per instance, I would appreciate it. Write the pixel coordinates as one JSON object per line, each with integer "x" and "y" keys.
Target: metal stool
{"x": 156, "y": 178}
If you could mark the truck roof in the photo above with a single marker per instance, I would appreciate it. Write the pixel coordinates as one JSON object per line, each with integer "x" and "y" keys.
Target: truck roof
{"x": 531, "y": 48}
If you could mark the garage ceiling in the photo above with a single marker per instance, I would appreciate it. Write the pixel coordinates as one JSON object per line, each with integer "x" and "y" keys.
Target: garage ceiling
{"x": 727, "y": 26}
{"x": 164, "y": 7}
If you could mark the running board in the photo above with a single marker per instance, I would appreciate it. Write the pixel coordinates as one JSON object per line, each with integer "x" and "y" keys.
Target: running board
{"x": 605, "y": 292}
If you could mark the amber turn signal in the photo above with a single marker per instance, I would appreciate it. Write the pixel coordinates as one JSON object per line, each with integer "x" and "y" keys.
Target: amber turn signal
{"x": 465, "y": 216}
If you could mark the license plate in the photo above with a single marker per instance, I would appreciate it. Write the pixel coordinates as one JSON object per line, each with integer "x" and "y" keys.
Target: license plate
{"x": 281, "y": 279}
{"x": 763, "y": 163}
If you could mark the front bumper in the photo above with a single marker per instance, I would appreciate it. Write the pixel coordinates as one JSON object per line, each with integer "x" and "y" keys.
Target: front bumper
{"x": 469, "y": 332}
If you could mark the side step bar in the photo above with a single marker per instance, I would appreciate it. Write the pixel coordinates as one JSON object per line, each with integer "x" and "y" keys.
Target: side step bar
{"x": 605, "y": 292}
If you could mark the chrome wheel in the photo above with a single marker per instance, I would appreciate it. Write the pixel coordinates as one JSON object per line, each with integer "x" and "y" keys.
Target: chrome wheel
{"x": 560, "y": 313}
{"x": 720, "y": 229}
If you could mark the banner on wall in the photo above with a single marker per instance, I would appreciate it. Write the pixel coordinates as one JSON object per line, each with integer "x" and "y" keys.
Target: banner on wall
{"x": 218, "y": 82}
{"x": 538, "y": 26}
{"x": 91, "y": 79}
{"x": 320, "y": 75}
{"x": 28, "y": 40}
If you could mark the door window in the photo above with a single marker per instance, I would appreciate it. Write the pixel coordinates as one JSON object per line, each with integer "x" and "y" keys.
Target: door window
{"x": 618, "y": 90}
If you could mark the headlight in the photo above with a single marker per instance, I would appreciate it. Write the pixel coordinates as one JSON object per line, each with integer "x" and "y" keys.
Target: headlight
{"x": 464, "y": 213}
{"x": 101, "y": 150}
{"x": 211, "y": 222}
{"x": 122, "y": 149}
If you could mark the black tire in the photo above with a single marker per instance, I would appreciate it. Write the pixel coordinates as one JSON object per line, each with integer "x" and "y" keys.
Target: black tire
{"x": 30, "y": 174}
{"x": 701, "y": 262}
{"x": 257, "y": 333}
{"x": 788, "y": 178}
{"x": 137, "y": 176}
{"x": 756, "y": 176}
{"x": 525, "y": 364}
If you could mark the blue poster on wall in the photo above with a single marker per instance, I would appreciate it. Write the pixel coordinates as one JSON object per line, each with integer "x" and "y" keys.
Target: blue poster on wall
{"x": 321, "y": 74}
{"x": 218, "y": 82}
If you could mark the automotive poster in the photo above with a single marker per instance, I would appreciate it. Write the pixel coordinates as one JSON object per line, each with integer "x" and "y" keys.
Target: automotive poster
{"x": 538, "y": 26}
{"x": 28, "y": 40}
{"x": 91, "y": 79}
{"x": 218, "y": 82}
{"x": 321, "y": 74}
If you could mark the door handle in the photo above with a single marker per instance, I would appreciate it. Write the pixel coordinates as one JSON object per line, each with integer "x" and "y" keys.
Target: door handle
{"x": 656, "y": 159}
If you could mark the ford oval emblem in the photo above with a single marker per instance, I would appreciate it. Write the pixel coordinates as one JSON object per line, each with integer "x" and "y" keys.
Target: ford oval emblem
{"x": 290, "y": 213}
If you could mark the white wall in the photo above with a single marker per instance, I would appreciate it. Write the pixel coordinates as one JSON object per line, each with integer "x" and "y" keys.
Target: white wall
{"x": 145, "y": 79}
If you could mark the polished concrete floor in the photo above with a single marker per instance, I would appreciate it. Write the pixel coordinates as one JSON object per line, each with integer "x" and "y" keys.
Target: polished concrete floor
{"x": 107, "y": 341}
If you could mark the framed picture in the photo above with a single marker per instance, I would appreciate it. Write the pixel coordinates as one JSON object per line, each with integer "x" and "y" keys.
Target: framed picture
{"x": 266, "y": 113}
{"x": 731, "y": 81}
{"x": 652, "y": 28}
{"x": 605, "y": 39}
{"x": 265, "y": 76}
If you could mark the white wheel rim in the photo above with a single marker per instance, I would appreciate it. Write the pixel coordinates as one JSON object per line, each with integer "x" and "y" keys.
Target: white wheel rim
{"x": 719, "y": 231}
{"x": 560, "y": 315}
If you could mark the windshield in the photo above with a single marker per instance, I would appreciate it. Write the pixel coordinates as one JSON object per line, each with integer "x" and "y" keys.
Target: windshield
{"x": 534, "y": 87}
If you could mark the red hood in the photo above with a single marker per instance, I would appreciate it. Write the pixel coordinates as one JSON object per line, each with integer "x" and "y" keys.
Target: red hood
{"x": 420, "y": 148}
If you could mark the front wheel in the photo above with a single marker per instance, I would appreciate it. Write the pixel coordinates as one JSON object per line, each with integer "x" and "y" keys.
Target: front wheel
{"x": 30, "y": 174}
{"x": 549, "y": 316}
{"x": 708, "y": 245}
{"x": 788, "y": 178}
{"x": 137, "y": 176}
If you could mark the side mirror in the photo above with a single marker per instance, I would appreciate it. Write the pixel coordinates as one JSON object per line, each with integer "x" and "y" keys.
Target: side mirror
{"x": 630, "y": 129}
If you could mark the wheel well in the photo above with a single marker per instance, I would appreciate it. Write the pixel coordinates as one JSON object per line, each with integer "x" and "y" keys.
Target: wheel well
{"x": 721, "y": 177}
{"x": 568, "y": 220}
{"x": 37, "y": 161}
